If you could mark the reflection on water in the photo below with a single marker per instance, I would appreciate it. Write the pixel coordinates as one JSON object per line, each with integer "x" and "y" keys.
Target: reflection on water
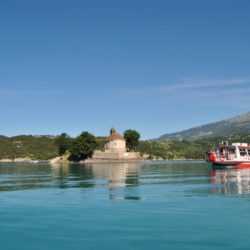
{"x": 112, "y": 176}
{"x": 163, "y": 205}
{"x": 157, "y": 180}
{"x": 231, "y": 181}
{"x": 120, "y": 175}
{"x": 32, "y": 176}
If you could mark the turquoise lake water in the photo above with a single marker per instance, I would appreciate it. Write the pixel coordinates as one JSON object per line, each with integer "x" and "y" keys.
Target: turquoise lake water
{"x": 164, "y": 205}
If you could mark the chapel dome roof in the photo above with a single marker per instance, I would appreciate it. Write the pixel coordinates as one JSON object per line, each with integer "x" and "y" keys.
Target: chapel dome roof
{"x": 114, "y": 135}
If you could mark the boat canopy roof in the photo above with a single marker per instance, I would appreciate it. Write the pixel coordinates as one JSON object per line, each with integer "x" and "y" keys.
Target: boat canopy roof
{"x": 234, "y": 145}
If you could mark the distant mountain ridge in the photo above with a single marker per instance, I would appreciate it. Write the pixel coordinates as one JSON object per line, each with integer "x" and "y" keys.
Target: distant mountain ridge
{"x": 234, "y": 125}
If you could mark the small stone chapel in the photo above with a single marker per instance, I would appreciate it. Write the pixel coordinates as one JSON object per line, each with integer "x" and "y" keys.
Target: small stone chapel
{"x": 115, "y": 149}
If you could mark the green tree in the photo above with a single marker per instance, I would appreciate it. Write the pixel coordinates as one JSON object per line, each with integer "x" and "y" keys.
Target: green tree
{"x": 83, "y": 147}
{"x": 63, "y": 142}
{"x": 132, "y": 138}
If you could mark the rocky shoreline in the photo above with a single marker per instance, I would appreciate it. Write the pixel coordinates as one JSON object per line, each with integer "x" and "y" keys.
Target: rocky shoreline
{"x": 89, "y": 161}
{"x": 94, "y": 161}
{"x": 65, "y": 160}
{"x": 19, "y": 160}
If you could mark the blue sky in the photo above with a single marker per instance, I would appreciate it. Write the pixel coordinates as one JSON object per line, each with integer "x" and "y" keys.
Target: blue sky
{"x": 154, "y": 66}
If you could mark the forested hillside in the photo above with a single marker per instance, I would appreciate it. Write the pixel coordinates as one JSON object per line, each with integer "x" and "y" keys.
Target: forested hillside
{"x": 187, "y": 149}
{"x": 28, "y": 146}
{"x": 234, "y": 125}
{"x": 44, "y": 147}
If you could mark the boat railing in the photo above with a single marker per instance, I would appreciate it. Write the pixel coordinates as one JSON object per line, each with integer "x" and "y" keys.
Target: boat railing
{"x": 226, "y": 156}
{"x": 230, "y": 156}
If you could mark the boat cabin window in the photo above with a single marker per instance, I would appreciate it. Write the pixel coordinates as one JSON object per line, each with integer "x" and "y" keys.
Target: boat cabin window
{"x": 226, "y": 152}
{"x": 243, "y": 152}
{"x": 222, "y": 151}
{"x": 231, "y": 150}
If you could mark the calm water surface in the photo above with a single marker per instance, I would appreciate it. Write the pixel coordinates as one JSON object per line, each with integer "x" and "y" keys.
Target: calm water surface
{"x": 165, "y": 205}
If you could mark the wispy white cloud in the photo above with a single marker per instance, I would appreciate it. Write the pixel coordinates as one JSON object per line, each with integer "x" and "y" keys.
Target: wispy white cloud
{"x": 190, "y": 84}
{"x": 227, "y": 92}
{"x": 234, "y": 93}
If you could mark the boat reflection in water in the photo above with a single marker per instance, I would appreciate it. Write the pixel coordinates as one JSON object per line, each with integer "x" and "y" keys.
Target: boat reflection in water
{"x": 231, "y": 181}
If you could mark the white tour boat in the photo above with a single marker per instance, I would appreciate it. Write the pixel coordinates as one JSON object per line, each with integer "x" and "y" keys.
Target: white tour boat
{"x": 235, "y": 155}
